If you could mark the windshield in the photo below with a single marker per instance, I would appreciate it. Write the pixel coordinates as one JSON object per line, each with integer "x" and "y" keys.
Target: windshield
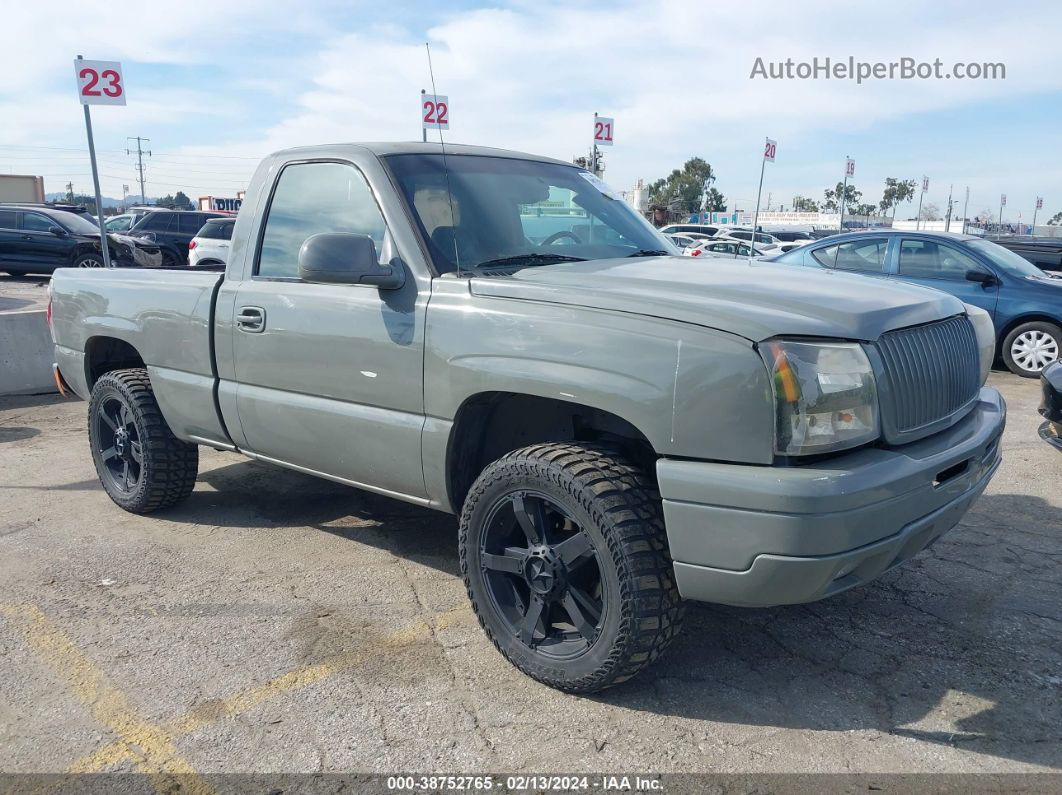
{"x": 1012, "y": 263}
{"x": 506, "y": 212}
{"x": 77, "y": 224}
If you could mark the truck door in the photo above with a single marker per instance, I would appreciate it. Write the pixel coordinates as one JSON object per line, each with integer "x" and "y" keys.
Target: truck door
{"x": 329, "y": 376}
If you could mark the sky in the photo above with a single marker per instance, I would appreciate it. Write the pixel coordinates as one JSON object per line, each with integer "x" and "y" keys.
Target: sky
{"x": 216, "y": 85}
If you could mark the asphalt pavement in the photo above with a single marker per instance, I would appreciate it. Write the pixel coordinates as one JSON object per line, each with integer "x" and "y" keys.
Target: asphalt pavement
{"x": 280, "y": 623}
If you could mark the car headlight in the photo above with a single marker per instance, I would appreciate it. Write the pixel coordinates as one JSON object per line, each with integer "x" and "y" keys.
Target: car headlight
{"x": 985, "y": 330}
{"x": 825, "y": 397}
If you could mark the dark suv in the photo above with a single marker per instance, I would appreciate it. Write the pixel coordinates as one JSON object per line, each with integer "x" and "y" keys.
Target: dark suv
{"x": 172, "y": 230}
{"x": 38, "y": 239}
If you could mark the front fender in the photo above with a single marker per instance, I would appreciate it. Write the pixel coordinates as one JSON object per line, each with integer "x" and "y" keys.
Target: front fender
{"x": 692, "y": 392}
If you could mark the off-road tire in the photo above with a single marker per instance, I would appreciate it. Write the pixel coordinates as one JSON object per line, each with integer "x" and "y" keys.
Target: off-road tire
{"x": 169, "y": 466}
{"x": 619, "y": 508}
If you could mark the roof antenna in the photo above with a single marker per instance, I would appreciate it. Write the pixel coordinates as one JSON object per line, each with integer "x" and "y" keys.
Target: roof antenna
{"x": 446, "y": 170}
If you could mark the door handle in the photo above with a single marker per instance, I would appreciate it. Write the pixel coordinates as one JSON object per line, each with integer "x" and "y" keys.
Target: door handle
{"x": 251, "y": 318}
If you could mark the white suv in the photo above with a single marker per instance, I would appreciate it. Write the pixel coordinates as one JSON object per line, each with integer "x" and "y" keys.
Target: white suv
{"x": 210, "y": 246}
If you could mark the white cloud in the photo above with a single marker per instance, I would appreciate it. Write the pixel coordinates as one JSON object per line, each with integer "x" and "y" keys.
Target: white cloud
{"x": 529, "y": 75}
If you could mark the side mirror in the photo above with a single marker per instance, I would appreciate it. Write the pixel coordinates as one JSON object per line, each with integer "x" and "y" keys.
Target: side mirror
{"x": 58, "y": 231}
{"x": 985, "y": 279}
{"x": 346, "y": 258}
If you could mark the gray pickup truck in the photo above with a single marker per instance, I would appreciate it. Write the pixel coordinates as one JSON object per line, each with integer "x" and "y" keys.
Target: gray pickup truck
{"x": 500, "y": 336}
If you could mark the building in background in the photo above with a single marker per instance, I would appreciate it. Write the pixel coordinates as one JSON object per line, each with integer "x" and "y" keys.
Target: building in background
{"x": 21, "y": 188}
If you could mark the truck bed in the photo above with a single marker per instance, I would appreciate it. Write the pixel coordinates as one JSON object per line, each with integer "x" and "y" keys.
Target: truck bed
{"x": 165, "y": 316}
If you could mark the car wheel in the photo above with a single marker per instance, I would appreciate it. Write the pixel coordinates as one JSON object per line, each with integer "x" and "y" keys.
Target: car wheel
{"x": 141, "y": 464}
{"x": 565, "y": 560}
{"x": 89, "y": 261}
{"x": 169, "y": 260}
{"x": 1030, "y": 347}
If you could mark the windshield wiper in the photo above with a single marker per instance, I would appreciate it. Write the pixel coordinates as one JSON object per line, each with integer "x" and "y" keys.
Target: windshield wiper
{"x": 529, "y": 259}
{"x": 649, "y": 252}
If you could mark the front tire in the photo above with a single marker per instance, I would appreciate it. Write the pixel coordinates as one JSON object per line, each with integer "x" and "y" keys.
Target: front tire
{"x": 143, "y": 467}
{"x": 91, "y": 260}
{"x": 565, "y": 559}
{"x": 170, "y": 260}
{"x": 1030, "y": 347}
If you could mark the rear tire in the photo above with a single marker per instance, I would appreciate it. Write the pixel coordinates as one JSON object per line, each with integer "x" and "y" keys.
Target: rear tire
{"x": 143, "y": 467}
{"x": 565, "y": 559}
{"x": 170, "y": 260}
{"x": 1030, "y": 347}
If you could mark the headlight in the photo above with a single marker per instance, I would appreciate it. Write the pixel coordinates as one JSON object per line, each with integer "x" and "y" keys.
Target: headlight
{"x": 986, "y": 337}
{"x": 825, "y": 397}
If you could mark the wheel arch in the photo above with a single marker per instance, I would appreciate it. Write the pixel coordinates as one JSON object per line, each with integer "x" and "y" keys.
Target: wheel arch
{"x": 104, "y": 354}
{"x": 490, "y": 424}
{"x": 1031, "y": 317}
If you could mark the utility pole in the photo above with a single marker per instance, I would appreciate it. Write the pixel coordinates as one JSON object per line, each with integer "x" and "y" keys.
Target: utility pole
{"x": 1002, "y": 204}
{"x": 965, "y": 207}
{"x": 1036, "y": 210}
{"x": 140, "y": 162}
{"x": 70, "y": 192}
{"x": 925, "y": 187}
{"x": 947, "y": 221}
{"x": 844, "y": 194}
{"x": 125, "y": 192}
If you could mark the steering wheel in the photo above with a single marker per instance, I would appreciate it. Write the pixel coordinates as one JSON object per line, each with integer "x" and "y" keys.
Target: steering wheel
{"x": 558, "y": 235}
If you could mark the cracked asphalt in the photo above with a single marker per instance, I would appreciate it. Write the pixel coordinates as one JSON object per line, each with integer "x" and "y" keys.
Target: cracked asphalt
{"x": 279, "y": 623}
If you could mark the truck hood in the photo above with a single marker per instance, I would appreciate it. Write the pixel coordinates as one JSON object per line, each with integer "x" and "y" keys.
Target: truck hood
{"x": 756, "y": 301}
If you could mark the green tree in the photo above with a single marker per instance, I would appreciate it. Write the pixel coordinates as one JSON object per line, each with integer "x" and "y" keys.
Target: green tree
{"x": 896, "y": 191}
{"x": 715, "y": 202}
{"x": 802, "y": 204}
{"x": 863, "y": 209}
{"x": 182, "y": 202}
{"x": 683, "y": 190}
{"x": 1055, "y": 219}
{"x": 832, "y": 198}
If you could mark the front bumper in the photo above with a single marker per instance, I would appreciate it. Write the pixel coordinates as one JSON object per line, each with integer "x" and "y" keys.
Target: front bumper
{"x": 759, "y": 536}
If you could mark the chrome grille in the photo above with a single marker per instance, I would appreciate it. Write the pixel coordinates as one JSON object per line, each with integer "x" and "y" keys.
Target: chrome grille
{"x": 932, "y": 370}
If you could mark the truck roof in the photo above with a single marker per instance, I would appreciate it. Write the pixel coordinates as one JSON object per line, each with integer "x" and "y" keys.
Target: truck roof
{"x": 383, "y": 149}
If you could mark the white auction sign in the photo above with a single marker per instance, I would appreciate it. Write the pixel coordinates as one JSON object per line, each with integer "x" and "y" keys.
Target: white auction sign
{"x": 849, "y": 167}
{"x": 99, "y": 82}
{"x": 1003, "y": 200}
{"x": 604, "y": 130}
{"x": 435, "y": 111}
{"x": 770, "y": 149}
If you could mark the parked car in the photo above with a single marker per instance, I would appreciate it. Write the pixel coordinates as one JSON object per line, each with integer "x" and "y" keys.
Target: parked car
{"x": 682, "y": 241}
{"x": 618, "y": 430}
{"x": 210, "y": 247}
{"x": 681, "y": 229}
{"x": 1024, "y": 302}
{"x": 763, "y": 240}
{"x": 1043, "y": 252}
{"x": 39, "y": 239}
{"x": 120, "y": 223}
{"x": 1051, "y": 406}
{"x": 727, "y": 249}
{"x": 172, "y": 231}
{"x": 791, "y": 236}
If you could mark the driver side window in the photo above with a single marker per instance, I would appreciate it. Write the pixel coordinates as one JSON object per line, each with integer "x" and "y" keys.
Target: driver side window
{"x": 927, "y": 259}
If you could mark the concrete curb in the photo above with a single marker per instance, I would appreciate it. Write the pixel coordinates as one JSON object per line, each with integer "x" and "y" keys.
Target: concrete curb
{"x": 25, "y": 353}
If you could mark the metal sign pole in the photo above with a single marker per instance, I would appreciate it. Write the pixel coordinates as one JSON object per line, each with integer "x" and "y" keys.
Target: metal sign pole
{"x": 104, "y": 248}
{"x": 1036, "y": 209}
{"x": 965, "y": 206}
{"x": 844, "y": 194}
{"x": 423, "y": 129}
{"x": 918, "y": 218}
{"x": 756, "y": 215}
